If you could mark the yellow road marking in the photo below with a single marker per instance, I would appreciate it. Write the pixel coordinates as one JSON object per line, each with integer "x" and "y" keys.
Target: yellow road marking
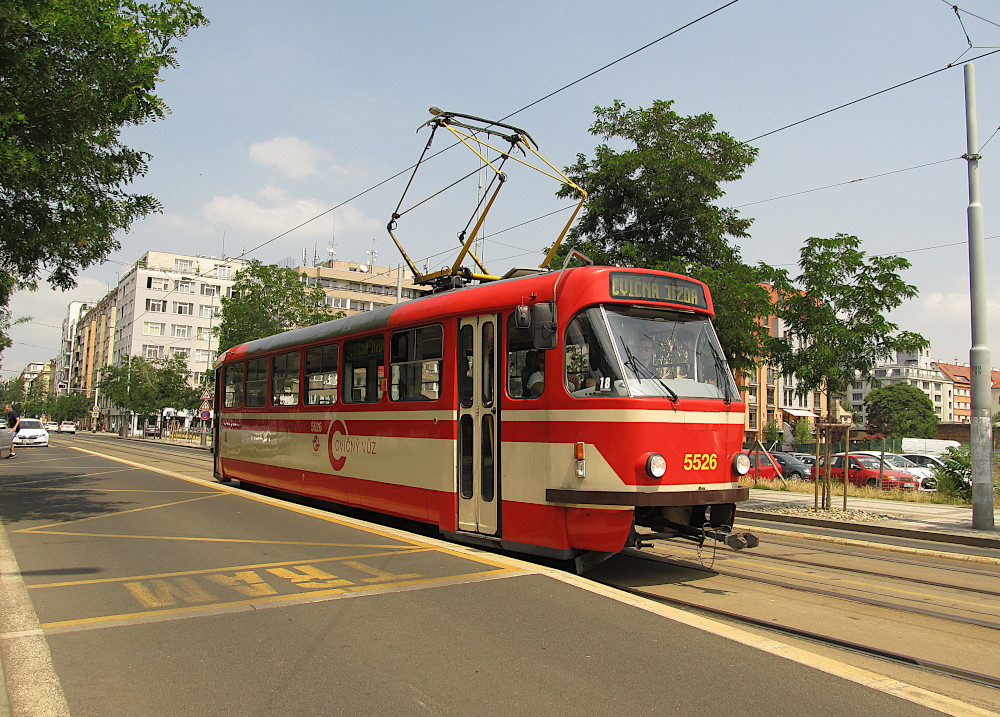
{"x": 183, "y": 538}
{"x": 118, "y": 513}
{"x": 256, "y": 566}
{"x": 303, "y": 597}
{"x": 312, "y": 512}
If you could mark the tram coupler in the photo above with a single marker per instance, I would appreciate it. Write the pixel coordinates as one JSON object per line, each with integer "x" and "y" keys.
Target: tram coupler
{"x": 736, "y": 541}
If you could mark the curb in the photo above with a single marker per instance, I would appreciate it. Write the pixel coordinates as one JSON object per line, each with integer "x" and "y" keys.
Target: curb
{"x": 975, "y": 541}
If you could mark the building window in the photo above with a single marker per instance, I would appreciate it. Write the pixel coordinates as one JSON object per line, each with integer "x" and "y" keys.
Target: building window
{"x": 180, "y": 331}
{"x": 203, "y": 356}
{"x": 157, "y": 284}
{"x": 155, "y": 305}
{"x": 204, "y": 333}
{"x": 152, "y": 352}
{"x": 184, "y": 287}
{"x": 222, "y": 272}
{"x": 152, "y": 329}
{"x": 210, "y": 290}
{"x": 207, "y": 312}
{"x": 183, "y": 309}
{"x": 182, "y": 352}
{"x": 183, "y": 264}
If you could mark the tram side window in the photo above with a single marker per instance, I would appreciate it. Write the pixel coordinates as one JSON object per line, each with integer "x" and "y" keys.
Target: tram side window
{"x": 523, "y": 363}
{"x": 234, "y": 385}
{"x": 285, "y": 380}
{"x": 364, "y": 370}
{"x": 415, "y": 358}
{"x": 257, "y": 382}
{"x": 321, "y": 375}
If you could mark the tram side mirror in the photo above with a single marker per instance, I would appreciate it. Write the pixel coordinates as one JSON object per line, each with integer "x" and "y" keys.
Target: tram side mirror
{"x": 522, "y": 316}
{"x": 543, "y": 326}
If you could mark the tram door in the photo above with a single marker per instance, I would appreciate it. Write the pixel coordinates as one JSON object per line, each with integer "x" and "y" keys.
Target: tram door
{"x": 478, "y": 510}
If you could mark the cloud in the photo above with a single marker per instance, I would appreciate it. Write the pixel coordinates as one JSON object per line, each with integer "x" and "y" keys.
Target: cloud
{"x": 274, "y": 212}
{"x": 295, "y": 157}
{"x": 944, "y": 318}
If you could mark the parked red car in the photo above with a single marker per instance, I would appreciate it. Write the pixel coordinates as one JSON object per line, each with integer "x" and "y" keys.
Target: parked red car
{"x": 864, "y": 471}
{"x": 762, "y": 465}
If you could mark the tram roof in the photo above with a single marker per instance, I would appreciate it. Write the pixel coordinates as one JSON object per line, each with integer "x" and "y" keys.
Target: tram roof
{"x": 467, "y": 301}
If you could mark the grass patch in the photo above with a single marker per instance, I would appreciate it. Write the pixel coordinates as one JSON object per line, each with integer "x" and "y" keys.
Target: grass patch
{"x": 910, "y": 496}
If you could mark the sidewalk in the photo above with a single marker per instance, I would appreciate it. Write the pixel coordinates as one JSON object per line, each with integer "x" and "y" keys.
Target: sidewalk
{"x": 920, "y": 521}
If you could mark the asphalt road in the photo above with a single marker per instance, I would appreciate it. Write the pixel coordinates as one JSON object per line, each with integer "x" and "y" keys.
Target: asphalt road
{"x": 141, "y": 587}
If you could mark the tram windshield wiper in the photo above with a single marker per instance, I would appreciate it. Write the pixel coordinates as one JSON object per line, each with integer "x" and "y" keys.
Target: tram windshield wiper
{"x": 723, "y": 371}
{"x": 640, "y": 371}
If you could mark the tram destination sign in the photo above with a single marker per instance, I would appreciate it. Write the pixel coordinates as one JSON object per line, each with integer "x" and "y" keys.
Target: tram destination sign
{"x": 654, "y": 287}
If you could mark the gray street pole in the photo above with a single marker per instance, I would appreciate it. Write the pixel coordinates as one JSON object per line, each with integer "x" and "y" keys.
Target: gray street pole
{"x": 979, "y": 356}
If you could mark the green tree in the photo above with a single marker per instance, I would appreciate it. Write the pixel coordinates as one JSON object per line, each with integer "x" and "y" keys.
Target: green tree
{"x": 654, "y": 204}
{"x": 901, "y": 411}
{"x": 268, "y": 300}
{"x": 772, "y": 433}
{"x": 803, "y": 431}
{"x": 955, "y": 476}
{"x": 834, "y": 315}
{"x": 72, "y": 76}
{"x": 71, "y": 407}
{"x": 146, "y": 386}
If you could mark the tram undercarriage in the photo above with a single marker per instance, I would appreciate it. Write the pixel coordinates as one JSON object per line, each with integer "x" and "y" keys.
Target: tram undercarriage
{"x": 696, "y": 523}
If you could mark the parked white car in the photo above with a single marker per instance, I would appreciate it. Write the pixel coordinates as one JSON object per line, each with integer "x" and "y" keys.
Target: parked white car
{"x": 31, "y": 432}
{"x": 67, "y": 427}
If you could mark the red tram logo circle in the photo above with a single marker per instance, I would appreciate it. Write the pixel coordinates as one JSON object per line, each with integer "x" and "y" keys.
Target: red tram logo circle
{"x": 335, "y": 446}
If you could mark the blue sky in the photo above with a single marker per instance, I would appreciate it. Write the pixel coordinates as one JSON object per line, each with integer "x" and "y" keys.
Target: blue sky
{"x": 282, "y": 112}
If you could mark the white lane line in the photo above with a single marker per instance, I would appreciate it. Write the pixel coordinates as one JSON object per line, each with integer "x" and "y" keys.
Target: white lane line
{"x": 31, "y": 683}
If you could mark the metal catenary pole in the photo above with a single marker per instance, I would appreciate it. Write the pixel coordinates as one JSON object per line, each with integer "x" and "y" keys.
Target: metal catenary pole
{"x": 979, "y": 355}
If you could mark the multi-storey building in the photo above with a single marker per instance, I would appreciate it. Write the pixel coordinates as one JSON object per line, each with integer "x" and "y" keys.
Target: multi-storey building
{"x": 168, "y": 304}
{"x": 917, "y": 369}
{"x": 93, "y": 348}
{"x": 64, "y": 360}
{"x": 352, "y": 287}
{"x": 961, "y": 375}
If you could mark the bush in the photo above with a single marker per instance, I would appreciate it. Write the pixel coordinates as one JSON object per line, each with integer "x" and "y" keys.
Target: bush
{"x": 955, "y": 478}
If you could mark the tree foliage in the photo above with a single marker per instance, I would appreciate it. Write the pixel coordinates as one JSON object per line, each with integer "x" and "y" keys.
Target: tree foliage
{"x": 72, "y": 75}
{"x": 653, "y": 204}
{"x": 268, "y": 300}
{"x": 834, "y": 314}
{"x": 147, "y": 386}
{"x": 901, "y": 411}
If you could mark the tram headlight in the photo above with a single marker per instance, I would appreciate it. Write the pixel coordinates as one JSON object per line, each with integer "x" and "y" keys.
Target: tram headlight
{"x": 741, "y": 464}
{"x": 656, "y": 466}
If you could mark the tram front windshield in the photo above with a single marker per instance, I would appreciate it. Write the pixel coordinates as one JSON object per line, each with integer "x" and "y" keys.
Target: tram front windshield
{"x": 617, "y": 350}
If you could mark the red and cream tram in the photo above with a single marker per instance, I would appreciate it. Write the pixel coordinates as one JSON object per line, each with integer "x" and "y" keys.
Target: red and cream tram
{"x": 569, "y": 413}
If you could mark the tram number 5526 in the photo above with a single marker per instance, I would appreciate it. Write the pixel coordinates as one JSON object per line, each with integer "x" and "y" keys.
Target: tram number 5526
{"x": 700, "y": 461}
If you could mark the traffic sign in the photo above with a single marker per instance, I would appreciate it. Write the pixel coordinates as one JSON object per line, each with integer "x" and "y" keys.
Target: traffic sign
{"x": 206, "y": 395}
{"x": 205, "y": 415}
{"x": 95, "y": 414}
{"x": 205, "y": 406}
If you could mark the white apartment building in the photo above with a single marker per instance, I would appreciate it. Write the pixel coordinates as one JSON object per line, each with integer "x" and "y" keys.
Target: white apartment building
{"x": 168, "y": 304}
{"x": 916, "y": 369}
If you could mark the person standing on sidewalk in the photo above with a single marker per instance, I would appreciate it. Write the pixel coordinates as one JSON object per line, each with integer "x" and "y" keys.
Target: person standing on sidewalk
{"x": 13, "y": 419}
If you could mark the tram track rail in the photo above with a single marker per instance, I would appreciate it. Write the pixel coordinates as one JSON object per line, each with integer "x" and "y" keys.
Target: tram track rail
{"x": 859, "y": 599}
{"x": 858, "y": 571}
{"x": 869, "y": 650}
